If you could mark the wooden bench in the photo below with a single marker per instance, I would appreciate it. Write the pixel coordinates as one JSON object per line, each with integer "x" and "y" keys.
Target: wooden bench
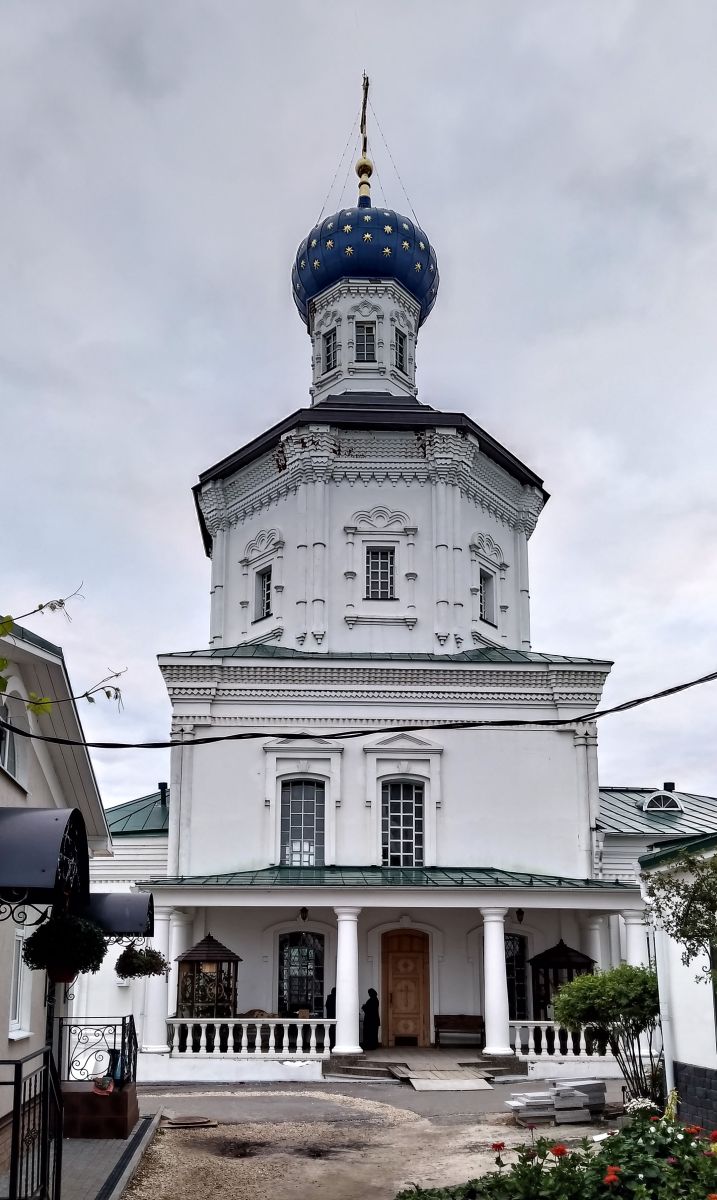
{"x": 462, "y": 1028}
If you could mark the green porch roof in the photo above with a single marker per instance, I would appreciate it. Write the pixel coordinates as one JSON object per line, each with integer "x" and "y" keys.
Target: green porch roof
{"x": 664, "y": 854}
{"x": 378, "y": 877}
{"x": 621, "y": 811}
{"x": 486, "y": 654}
{"x": 143, "y": 817}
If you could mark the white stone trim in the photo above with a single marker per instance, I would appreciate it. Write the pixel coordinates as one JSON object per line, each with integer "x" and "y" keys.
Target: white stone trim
{"x": 270, "y": 935}
{"x": 436, "y": 954}
{"x": 409, "y": 758}
{"x": 284, "y": 761}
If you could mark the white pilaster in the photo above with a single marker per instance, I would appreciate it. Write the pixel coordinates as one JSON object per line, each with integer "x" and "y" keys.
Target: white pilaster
{"x": 156, "y": 996}
{"x": 635, "y": 937}
{"x": 347, "y": 983}
{"x": 180, "y": 939}
{"x": 496, "y": 1015}
{"x": 593, "y": 940}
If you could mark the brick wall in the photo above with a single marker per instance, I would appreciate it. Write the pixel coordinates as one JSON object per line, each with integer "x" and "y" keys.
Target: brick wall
{"x": 697, "y": 1089}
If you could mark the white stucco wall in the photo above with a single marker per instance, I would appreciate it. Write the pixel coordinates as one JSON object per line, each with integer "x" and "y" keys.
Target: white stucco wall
{"x": 691, "y": 1007}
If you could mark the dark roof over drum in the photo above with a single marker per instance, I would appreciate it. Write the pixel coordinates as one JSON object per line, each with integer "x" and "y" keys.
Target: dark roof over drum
{"x": 209, "y": 950}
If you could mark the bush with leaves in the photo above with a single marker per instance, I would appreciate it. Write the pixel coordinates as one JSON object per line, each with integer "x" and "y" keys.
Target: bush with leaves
{"x": 682, "y": 900}
{"x": 134, "y": 963}
{"x": 65, "y": 946}
{"x": 621, "y": 1006}
{"x": 650, "y": 1160}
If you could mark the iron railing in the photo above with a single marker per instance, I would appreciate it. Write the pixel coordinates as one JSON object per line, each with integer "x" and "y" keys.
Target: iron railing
{"x": 91, "y": 1049}
{"x": 31, "y": 1153}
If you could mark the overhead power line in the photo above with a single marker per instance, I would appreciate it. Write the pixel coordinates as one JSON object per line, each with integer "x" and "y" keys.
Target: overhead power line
{"x": 414, "y": 726}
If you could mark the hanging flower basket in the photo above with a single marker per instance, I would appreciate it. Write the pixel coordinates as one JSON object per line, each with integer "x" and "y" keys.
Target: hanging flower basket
{"x": 133, "y": 963}
{"x": 65, "y": 946}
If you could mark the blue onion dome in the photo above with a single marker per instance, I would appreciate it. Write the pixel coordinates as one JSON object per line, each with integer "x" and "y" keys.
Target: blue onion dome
{"x": 365, "y": 243}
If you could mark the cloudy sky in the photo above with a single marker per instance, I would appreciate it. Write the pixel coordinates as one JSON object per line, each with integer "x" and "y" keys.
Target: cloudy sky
{"x": 160, "y": 163}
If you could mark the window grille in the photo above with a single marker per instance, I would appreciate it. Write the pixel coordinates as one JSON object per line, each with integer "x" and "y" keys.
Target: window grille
{"x": 302, "y": 823}
{"x": 301, "y": 973}
{"x": 402, "y": 824}
{"x": 487, "y": 597}
{"x": 17, "y": 982}
{"x": 380, "y": 573}
{"x": 662, "y": 802}
{"x": 330, "y": 351}
{"x": 365, "y": 341}
{"x": 401, "y": 351}
{"x": 263, "y": 594}
{"x": 516, "y": 959}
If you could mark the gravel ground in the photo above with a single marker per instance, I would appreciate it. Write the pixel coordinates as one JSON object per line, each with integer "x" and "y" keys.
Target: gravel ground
{"x": 368, "y": 1150}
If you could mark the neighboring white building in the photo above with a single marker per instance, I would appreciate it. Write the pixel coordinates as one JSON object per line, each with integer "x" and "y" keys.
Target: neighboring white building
{"x": 369, "y": 570}
{"x": 688, "y": 1004}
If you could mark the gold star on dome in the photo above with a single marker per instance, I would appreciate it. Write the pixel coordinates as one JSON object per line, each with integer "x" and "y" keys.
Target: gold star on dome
{"x": 330, "y": 244}
{"x": 348, "y": 212}
{"x": 316, "y": 263}
{"x": 368, "y": 237}
{"x": 349, "y": 251}
{"x": 313, "y": 243}
{"x": 367, "y": 217}
{"x": 417, "y": 266}
{"x": 405, "y": 246}
{"x": 302, "y": 264}
{"x": 405, "y": 226}
{"x": 431, "y": 268}
{"x": 388, "y": 229}
{"x": 347, "y": 228}
{"x": 330, "y": 225}
{"x": 422, "y": 245}
{"x": 387, "y": 251}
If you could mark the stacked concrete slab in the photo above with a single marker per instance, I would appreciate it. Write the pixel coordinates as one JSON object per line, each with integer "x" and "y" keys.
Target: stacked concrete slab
{"x": 574, "y": 1102}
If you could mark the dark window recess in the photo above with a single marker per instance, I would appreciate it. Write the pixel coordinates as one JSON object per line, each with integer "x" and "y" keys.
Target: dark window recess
{"x": 380, "y": 574}
{"x": 262, "y": 604}
{"x": 330, "y": 351}
{"x": 365, "y": 341}
{"x": 516, "y": 966}
{"x": 302, "y": 823}
{"x": 301, "y": 973}
{"x": 487, "y": 596}
{"x": 402, "y": 830}
{"x": 401, "y": 356}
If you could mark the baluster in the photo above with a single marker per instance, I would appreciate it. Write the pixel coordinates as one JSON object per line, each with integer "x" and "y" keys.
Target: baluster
{"x": 272, "y": 1039}
{"x": 312, "y": 1040}
{"x": 582, "y": 1045}
{"x": 175, "y": 1037}
{"x": 244, "y": 1040}
{"x": 203, "y": 1038}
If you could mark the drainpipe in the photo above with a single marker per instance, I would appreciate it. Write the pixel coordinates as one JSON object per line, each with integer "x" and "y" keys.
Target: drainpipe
{"x": 663, "y": 984}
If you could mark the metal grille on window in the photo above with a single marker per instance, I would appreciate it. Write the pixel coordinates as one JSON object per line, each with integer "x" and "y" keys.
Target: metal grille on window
{"x": 380, "y": 574}
{"x": 302, "y": 823}
{"x": 301, "y": 973}
{"x": 402, "y": 824}
{"x": 401, "y": 351}
{"x": 365, "y": 341}
{"x": 330, "y": 354}
{"x": 516, "y": 959}
{"x": 263, "y": 594}
{"x": 487, "y": 597}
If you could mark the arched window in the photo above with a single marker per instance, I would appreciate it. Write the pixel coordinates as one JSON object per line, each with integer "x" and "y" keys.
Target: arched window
{"x": 662, "y": 802}
{"x": 402, "y": 823}
{"x": 516, "y": 968}
{"x": 301, "y": 974}
{"x": 302, "y": 823}
{"x": 8, "y": 752}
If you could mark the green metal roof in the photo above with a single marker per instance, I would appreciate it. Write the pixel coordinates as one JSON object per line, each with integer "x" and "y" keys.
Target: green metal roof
{"x": 33, "y": 639}
{"x": 378, "y": 877}
{"x": 621, "y": 811}
{"x": 665, "y": 854}
{"x": 487, "y": 654}
{"x": 143, "y": 817}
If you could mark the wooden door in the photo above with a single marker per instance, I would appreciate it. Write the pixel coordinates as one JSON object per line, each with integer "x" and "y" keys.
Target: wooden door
{"x": 406, "y": 1001}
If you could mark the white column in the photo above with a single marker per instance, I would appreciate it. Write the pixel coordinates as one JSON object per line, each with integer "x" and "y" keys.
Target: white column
{"x": 154, "y": 1037}
{"x": 635, "y": 937}
{"x": 180, "y": 939}
{"x": 347, "y": 983}
{"x": 497, "y": 1032}
{"x": 592, "y": 939}
{"x": 663, "y": 978}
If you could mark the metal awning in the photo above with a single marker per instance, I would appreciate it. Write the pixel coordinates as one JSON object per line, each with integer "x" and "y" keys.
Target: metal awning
{"x": 43, "y": 856}
{"x": 121, "y": 914}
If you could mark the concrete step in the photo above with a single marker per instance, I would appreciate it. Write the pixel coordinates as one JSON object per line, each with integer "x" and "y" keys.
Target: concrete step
{"x": 358, "y": 1070}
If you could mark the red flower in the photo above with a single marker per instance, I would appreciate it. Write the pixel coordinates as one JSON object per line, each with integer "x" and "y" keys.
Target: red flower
{"x": 498, "y": 1146}
{"x": 712, "y": 1196}
{"x": 713, "y": 1135}
{"x": 671, "y": 1161}
{"x": 611, "y": 1179}
{"x": 558, "y": 1150}
{"x": 614, "y": 1170}
{"x": 655, "y": 1118}
{"x": 693, "y": 1128}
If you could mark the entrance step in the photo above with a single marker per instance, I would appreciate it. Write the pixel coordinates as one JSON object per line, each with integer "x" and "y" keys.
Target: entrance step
{"x": 498, "y": 1065}
{"x": 356, "y": 1070}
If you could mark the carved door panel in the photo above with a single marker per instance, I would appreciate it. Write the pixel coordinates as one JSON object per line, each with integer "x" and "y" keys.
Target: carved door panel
{"x": 405, "y": 989}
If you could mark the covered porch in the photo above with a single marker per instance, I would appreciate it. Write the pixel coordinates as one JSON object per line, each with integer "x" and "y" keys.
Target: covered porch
{"x": 435, "y": 944}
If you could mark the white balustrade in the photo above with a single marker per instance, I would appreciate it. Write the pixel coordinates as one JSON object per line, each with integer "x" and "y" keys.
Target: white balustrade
{"x": 538, "y": 1039}
{"x": 270, "y": 1037}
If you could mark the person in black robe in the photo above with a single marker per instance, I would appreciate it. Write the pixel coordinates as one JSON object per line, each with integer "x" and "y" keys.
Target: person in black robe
{"x": 371, "y": 1021}
{"x": 331, "y": 1016}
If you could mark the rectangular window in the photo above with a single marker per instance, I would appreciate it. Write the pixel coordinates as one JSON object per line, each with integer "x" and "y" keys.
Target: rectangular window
{"x": 381, "y": 574}
{"x": 262, "y": 604}
{"x": 401, "y": 351}
{"x": 402, "y": 825}
{"x": 487, "y": 597}
{"x": 17, "y": 980}
{"x": 330, "y": 352}
{"x": 302, "y": 823}
{"x": 301, "y": 973}
{"x": 365, "y": 341}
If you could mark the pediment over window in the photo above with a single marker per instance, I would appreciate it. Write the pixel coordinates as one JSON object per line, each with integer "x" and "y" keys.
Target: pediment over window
{"x": 404, "y": 741}
{"x": 306, "y": 746}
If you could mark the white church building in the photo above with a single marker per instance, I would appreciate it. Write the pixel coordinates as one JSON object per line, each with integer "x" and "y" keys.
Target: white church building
{"x": 369, "y": 573}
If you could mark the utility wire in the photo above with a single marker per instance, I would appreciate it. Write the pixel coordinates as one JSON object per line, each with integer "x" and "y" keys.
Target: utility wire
{"x": 388, "y": 150}
{"x": 491, "y": 723}
{"x": 333, "y": 181}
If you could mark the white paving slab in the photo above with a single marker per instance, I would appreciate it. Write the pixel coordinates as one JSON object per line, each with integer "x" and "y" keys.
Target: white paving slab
{"x": 454, "y": 1084}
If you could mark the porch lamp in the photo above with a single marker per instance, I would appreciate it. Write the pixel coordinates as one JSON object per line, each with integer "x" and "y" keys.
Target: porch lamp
{"x": 304, "y": 914}
{"x": 207, "y": 981}
{"x": 519, "y": 915}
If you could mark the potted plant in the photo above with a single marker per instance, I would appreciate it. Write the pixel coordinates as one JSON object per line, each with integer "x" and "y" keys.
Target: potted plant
{"x": 65, "y": 946}
{"x": 133, "y": 963}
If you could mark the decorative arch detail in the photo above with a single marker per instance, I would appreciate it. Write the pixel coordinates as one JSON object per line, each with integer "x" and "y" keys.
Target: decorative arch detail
{"x": 483, "y": 543}
{"x": 380, "y": 518}
{"x": 265, "y": 541}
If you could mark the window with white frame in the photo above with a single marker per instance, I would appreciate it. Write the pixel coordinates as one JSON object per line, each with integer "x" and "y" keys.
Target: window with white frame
{"x": 302, "y": 823}
{"x": 330, "y": 351}
{"x": 380, "y": 573}
{"x": 401, "y": 351}
{"x": 8, "y": 752}
{"x": 262, "y": 601}
{"x": 487, "y": 596}
{"x": 19, "y": 989}
{"x": 402, "y": 824}
{"x": 365, "y": 341}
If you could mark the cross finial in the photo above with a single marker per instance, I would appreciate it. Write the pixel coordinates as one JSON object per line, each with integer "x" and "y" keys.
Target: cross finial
{"x": 364, "y": 166}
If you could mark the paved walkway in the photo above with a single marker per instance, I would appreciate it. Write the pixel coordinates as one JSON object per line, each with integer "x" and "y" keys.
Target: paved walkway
{"x": 95, "y": 1168}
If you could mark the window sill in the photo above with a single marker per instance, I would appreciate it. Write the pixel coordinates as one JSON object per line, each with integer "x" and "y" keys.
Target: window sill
{"x": 485, "y": 621}
{"x": 264, "y": 618}
{"x": 19, "y": 1035}
{"x": 381, "y": 599}
{"x": 5, "y": 774}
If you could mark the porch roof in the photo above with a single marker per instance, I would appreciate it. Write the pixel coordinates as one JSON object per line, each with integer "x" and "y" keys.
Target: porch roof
{"x": 381, "y": 877}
